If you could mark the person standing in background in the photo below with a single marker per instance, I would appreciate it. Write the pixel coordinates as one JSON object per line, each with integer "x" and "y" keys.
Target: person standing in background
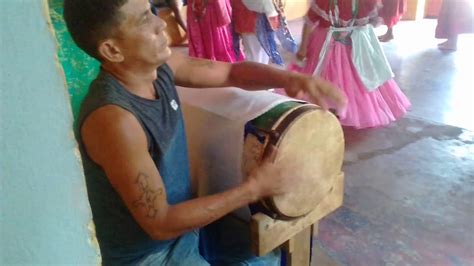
{"x": 259, "y": 23}
{"x": 209, "y": 31}
{"x": 455, "y": 17}
{"x": 340, "y": 45}
{"x": 175, "y": 6}
{"x": 391, "y": 12}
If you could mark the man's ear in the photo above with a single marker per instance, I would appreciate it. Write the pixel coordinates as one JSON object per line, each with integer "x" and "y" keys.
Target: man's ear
{"x": 109, "y": 51}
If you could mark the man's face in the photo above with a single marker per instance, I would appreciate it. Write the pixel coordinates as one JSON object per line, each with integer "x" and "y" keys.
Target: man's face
{"x": 141, "y": 37}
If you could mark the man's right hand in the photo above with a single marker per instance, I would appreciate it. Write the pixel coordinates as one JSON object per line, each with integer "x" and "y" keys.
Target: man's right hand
{"x": 271, "y": 177}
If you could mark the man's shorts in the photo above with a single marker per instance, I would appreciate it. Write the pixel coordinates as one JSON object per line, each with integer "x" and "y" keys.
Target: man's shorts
{"x": 225, "y": 242}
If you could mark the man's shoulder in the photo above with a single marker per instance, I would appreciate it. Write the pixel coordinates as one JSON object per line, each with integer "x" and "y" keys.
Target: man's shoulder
{"x": 111, "y": 114}
{"x": 103, "y": 91}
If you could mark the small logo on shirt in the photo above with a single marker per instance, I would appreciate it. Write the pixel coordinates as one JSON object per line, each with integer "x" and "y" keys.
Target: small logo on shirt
{"x": 174, "y": 104}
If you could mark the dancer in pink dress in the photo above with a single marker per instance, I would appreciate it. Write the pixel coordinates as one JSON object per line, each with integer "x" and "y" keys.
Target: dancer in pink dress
{"x": 209, "y": 30}
{"x": 391, "y": 12}
{"x": 339, "y": 45}
{"x": 455, "y": 17}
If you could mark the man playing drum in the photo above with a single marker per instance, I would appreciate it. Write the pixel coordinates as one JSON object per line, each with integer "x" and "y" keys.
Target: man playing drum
{"x": 132, "y": 136}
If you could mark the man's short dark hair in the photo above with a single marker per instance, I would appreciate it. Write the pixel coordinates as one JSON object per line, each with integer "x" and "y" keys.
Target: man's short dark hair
{"x": 91, "y": 21}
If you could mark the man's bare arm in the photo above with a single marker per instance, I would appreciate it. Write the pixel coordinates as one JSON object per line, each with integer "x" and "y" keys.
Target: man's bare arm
{"x": 115, "y": 140}
{"x": 201, "y": 73}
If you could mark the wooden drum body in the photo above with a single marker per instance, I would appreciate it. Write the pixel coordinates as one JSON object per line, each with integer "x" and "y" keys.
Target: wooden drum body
{"x": 304, "y": 135}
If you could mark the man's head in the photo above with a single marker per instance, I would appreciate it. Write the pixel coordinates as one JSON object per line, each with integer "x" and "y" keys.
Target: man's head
{"x": 91, "y": 21}
{"x": 117, "y": 31}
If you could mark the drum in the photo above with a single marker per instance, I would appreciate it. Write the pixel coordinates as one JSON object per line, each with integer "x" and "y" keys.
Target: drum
{"x": 303, "y": 134}
{"x": 175, "y": 34}
{"x": 229, "y": 131}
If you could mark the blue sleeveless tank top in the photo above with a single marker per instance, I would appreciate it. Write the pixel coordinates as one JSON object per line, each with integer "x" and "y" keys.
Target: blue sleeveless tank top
{"x": 121, "y": 239}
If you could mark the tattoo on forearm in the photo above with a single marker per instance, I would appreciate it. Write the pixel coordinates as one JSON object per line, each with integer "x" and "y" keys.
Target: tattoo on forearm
{"x": 148, "y": 196}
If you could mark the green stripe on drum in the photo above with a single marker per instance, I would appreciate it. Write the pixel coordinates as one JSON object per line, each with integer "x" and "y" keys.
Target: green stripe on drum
{"x": 267, "y": 120}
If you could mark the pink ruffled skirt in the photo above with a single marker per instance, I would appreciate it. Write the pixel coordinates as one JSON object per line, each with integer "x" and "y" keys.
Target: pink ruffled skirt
{"x": 211, "y": 36}
{"x": 364, "y": 109}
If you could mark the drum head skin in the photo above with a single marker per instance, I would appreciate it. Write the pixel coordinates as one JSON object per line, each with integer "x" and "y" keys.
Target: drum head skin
{"x": 314, "y": 141}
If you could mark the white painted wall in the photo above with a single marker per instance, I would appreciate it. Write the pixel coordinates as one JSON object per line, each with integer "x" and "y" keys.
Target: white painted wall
{"x": 45, "y": 217}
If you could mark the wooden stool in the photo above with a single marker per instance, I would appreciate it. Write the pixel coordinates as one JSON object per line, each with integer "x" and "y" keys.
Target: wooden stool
{"x": 294, "y": 236}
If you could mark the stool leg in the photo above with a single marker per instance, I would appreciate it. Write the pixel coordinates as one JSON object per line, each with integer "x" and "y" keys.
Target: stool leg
{"x": 318, "y": 256}
{"x": 300, "y": 249}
